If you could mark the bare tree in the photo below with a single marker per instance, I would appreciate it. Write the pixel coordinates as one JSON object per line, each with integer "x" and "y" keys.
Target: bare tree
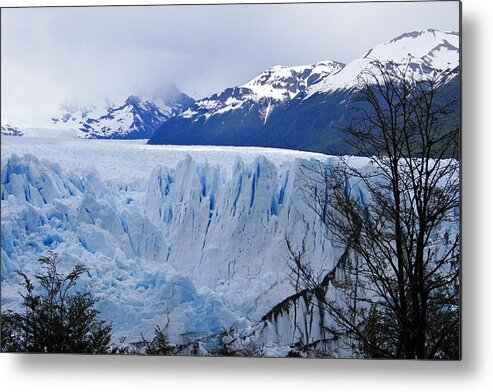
{"x": 397, "y": 211}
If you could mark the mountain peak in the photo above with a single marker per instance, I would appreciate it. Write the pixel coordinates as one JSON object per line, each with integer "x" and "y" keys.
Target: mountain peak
{"x": 428, "y": 51}
{"x": 136, "y": 118}
{"x": 271, "y": 87}
{"x": 133, "y": 100}
{"x": 292, "y": 79}
{"x": 416, "y": 43}
{"x": 421, "y": 33}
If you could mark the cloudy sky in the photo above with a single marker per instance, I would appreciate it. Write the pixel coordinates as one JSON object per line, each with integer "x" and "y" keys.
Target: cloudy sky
{"x": 51, "y": 55}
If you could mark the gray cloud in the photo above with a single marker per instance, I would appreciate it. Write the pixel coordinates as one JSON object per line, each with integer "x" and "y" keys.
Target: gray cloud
{"x": 50, "y": 55}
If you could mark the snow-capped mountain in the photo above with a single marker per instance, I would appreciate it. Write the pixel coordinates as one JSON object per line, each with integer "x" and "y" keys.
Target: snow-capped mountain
{"x": 11, "y": 130}
{"x": 268, "y": 89}
{"x": 305, "y": 107}
{"x": 424, "y": 52}
{"x": 69, "y": 119}
{"x": 135, "y": 118}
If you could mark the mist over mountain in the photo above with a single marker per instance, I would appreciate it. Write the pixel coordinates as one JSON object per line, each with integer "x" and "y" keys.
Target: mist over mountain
{"x": 137, "y": 117}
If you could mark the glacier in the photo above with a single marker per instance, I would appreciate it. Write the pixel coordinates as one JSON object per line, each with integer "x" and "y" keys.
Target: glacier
{"x": 193, "y": 239}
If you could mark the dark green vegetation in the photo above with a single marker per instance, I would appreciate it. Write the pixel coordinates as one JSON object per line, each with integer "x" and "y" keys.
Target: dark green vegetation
{"x": 159, "y": 345}
{"x": 54, "y": 319}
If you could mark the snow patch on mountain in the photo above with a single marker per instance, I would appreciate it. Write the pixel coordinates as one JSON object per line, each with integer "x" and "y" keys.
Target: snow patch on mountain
{"x": 271, "y": 87}
{"x": 9, "y": 129}
{"x": 426, "y": 52}
{"x": 135, "y": 118}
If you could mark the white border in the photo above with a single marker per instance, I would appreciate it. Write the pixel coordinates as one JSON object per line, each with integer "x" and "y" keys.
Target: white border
{"x": 474, "y": 373}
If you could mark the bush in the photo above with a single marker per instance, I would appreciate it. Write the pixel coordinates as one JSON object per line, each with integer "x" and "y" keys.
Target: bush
{"x": 57, "y": 320}
{"x": 159, "y": 344}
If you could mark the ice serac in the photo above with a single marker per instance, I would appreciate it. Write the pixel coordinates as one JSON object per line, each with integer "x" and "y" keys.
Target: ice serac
{"x": 178, "y": 247}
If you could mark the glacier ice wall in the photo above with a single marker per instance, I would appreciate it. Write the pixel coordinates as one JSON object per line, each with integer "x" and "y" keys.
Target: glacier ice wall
{"x": 193, "y": 247}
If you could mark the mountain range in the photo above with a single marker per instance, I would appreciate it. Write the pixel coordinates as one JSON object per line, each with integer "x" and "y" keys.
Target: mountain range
{"x": 299, "y": 107}
{"x": 135, "y": 118}
{"x": 305, "y": 108}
